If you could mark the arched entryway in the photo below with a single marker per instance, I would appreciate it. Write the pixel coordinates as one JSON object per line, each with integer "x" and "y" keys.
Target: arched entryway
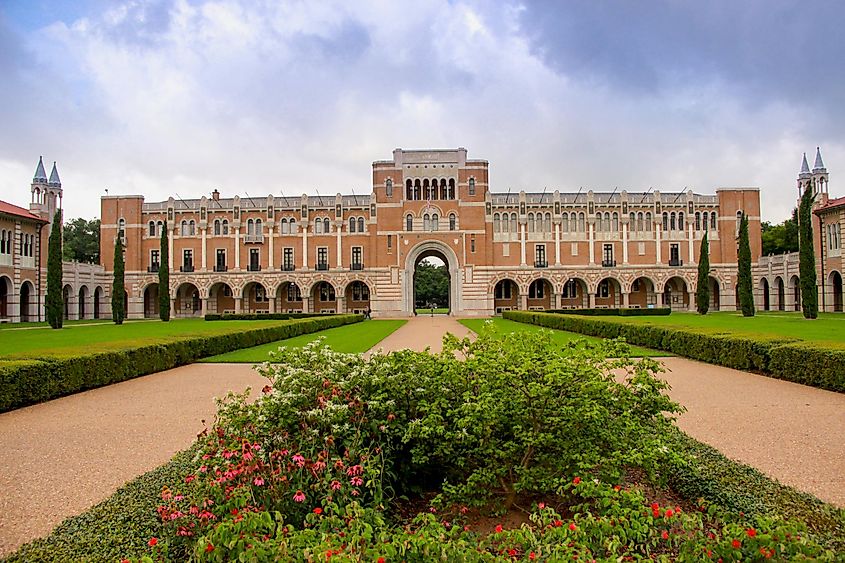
{"x": 431, "y": 284}
{"x": 288, "y": 298}
{"x": 715, "y": 295}
{"x": 835, "y": 279}
{"x": 27, "y": 313}
{"x": 187, "y": 300}
{"x": 220, "y": 299}
{"x": 98, "y": 297}
{"x": 357, "y": 297}
{"x": 67, "y": 291}
{"x": 432, "y": 249}
{"x": 505, "y": 296}
{"x": 540, "y": 294}
{"x": 82, "y": 301}
{"x": 5, "y": 297}
{"x": 609, "y": 293}
{"x": 151, "y": 301}
{"x": 255, "y": 299}
{"x": 676, "y": 294}
{"x": 642, "y": 293}
{"x": 575, "y": 294}
{"x": 780, "y": 294}
{"x": 795, "y": 291}
{"x": 324, "y": 297}
{"x": 764, "y": 301}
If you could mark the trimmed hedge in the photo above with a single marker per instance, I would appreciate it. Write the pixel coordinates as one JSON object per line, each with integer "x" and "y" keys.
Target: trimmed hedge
{"x": 784, "y": 358}
{"x": 617, "y": 312}
{"x": 263, "y": 317}
{"x": 30, "y": 382}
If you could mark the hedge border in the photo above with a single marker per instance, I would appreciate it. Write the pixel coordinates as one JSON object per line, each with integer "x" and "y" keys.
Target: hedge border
{"x": 789, "y": 359}
{"x": 262, "y": 317}
{"x": 30, "y": 382}
{"x": 615, "y": 312}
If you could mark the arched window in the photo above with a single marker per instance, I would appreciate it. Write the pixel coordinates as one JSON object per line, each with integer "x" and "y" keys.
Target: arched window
{"x": 536, "y": 289}
{"x": 705, "y": 217}
{"x": 217, "y": 226}
{"x": 409, "y": 190}
{"x": 530, "y": 222}
{"x": 250, "y": 227}
{"x": 293, "y": 226}
{"x": 681, "y": 221}
{"x": 564, "y": 223}
{"x": 352, "y": 224}
{"x": 548, "y": 223}
{"x": 648, "y": 221}
{"x": 152, "y": 228}
{"x": 192, "y": 227}
{"x": 417, "y": 189}
{"x": 388, "y": 187}
{"x": 184, "y": 231}
{"x": 738, "y": 220}
{"x": 451, "y": 188}
{"x": 426, "y": 222}
{"x": 698, "y": 221}
{"x": 497, "y": 223}
{"x": 435, "y": 222}
{"x": 513, "y": 223}
{"x": 672, "y": 223}
{"x": 444, "y": 191}
{"x": 581, "y": 222}
{"x": 713, "y": 220}
{"x": 472, "y": 186}
{"x": 225, "y": 226}
{"x": 409, "y": 222}
{"x": 665, "y": 221}
{"x": 326, "y": 227}
{"x": 360, "y": 224}
{"x": 632, "y": 221}
{"x": 606, "y": 221}
{"x": 453, "y": 219}
{"x": 615, "y": 225}
{"x": 159, "y": 227}
{"x": 426, "y": 189}
{"x": 318, "y": 226}
{"x": 258, "y": 227}
{"x": 640, "y": 225}
{"x": 284, "y": 227}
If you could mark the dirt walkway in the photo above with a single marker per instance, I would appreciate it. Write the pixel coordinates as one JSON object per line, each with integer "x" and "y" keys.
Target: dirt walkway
{"x": 421, "y": 332}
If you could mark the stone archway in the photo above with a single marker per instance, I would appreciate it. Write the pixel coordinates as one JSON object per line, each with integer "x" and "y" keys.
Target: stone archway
{"x": 835, "y": 279}
{"x": 440, "y": 250}
{"x": 151, "y": 301}
{"x": 5, "y": 297}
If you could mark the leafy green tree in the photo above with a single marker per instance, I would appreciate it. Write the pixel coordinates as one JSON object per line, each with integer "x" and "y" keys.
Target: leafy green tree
{"x": 702, "y": 291}
{"x": 807, "y": 257}
{"x": 118, "y": 288}
{"x": 55, "y": 299}
{"x": 82, "y": 241}
{"x": 164, "y": 277}
{"x": 431, "y": 283}
{"x": 782, "y": 237}
{"x": 746, "y": 292}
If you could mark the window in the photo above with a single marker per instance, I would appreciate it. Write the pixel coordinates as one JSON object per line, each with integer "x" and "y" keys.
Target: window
{"x": 254, "y": 259}
{"x": 258, "y": 227}
{"x": 155, "y": 259}
{"x": 326, "y": 228}
{"x": 503, "y": 289}
{"x": 435, "y": 222}
{"x": 225, "y": 227}
{"x": 426, "y": 222}
{"x": 409, "y": 222}
{"x": 698, "y": 221}
{"x": 530, "y": 222}
{"x": 632, "y": 221}
{"x": 640, "y": 221}
{"x": 152, "y": 232}
{"x": 674, "y": 255}
{"x": 497, "y": 223}
{"x": 672, "y": 219}
{"x": 121, "y": 228}
{"x": 360, "y": 224}
{"x": 293, "y": 292}
{"x": 536, "y": 289}
{"x": 615, "y": 224}
{"x": 250, "y": 227}
{"x": 390, "y": 243}
{"x": 570, "y": 289}
{"x": 220, "y": 260}
{"x": 564, "y": 223}
{"x": 648, "y": 222}
{"x": 217, "y": 226}
{"x": 184, "y": 229}
{"x": 472, "y": 186}
{"x": 322, "y": 257}
{"x": 187, "y": 260}
{"x": 453, "y": 220}
{"x": 284, "y": 228}
{"x": 352, "y": 224}
{"x": 681, "y": 221}
{"x": 444, "y": 191}
{"x": 287, "y": 259}
{"x": 581, "y": 219}
{"x": 603, "y": 289}
{"x": 318, "y": 227}
{"x": 388, "y": 188}
{"x": 192, "y": 227}
{"x": 713, "y": 220}
{"x": 472, "y": 244}
{"x": 357, "y": 256}
{"x": 259, "y": 293}
{"x": 607, "y": 255}
{"x": 293, "y": 226}
{"x": 451, "y": 188}
{"x": 665, "y": 221}
{"x": 327, "y": 292}
{"x": 540, "y": 255}
{"x": 738, "y": 220}
{"x": 159, "y": 226}
{"x": 360, "y": 292}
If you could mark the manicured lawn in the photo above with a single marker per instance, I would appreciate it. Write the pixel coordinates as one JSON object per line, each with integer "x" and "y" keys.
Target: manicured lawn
{"x": 829, "y": 327}
{"x": 90, "y": 338}
{"x": 354, "y": 338}
{"x": 560, "y": 337}
{"x": 437, "y": 311}
{"x": 68, "y": 323}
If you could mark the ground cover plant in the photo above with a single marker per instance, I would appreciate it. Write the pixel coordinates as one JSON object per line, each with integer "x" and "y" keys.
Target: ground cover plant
{"x": 437, "y": 311}
{"x": 321, "y": 466}
{"x": 349, "y": 339}
{"x": 558, "y": 337}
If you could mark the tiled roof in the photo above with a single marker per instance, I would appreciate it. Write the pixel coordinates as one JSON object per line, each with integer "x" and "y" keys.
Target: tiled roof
{"x": 832, "y": 203}
{"x": 10, "y": 209}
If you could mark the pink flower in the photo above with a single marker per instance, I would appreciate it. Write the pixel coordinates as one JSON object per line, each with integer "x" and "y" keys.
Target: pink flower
{"x": 355, "y": 492}
{"x": 258, "y": 481}
{"x": 189, "y": 478}
{"x": 336, "y": 485}
{"x": 355, "y": 470}
{"x": 299, "y": 460}
{"x": 299, "y": 496}
{"x": 356, "y": 481}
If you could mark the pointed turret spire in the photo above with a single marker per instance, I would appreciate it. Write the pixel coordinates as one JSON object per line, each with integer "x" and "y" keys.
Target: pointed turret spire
{"x": 805, "y": 168}
{"x": 54, "y": 176}
{"x": 40, "y": 174}
{"x": 819, "y": 164}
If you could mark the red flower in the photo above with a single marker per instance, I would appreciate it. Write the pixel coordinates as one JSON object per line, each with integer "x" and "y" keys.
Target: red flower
{"x": 152, "y": 542}
{"x": 576, "y": 480}
{"x": 512, "y": 552}
{"x": 573, "y": 527}
{"x": 655, "y": 506}
{"x": 532, "y": 556}
{"x": 558, "y": 523}
{"x": 209, "y": 548}
{"x": 736, "y": 544}
{"x": 751, "y": 532}
{"x": 380, "y": 560}
{"x": 318, "y": 510}
{"x": 665, "y": 535}
{"x": 498, "y": 528}
{"x": 669, "y": 513}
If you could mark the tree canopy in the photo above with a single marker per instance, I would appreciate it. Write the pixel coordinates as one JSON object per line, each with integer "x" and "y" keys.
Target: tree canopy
{"x": 82, "y": 240}
{"x": 782, "y": 237}
{"x": 431, "y": 283}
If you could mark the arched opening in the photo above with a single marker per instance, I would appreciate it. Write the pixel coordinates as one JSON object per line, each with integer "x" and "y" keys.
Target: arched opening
{"x": 505, "y": 296}
{"x": 5, "y": 296}
{"x": 255, "y": 299}
{"x": 675, "y": 294}
{"x": 764, "y": 294}
{"x": 609, "y": 294}
{"x": 642, "y": 294}
{"x": 575, "y": 294}
{"x": 324, "y": 298}
{"x": 795, "y": 291}
{"x": 82, "y": 299}
{"x": 428, "y": 251}
{"x": 431, "y": 284}
{"x": 187, "y": 300}
{"x": 836, "y": 288}
{"x": 98, "y": 296}
{"x": 715, "y": 298}
{"x": 220, "y": 299}
{"x": 540, "y": 295}
{"x": 288, "y": 298}
{"x": 66, "y": 293}
{"x": 26, "y": 302}
{"x": 151, "y": 301}
{"x": 780, "y": 294}
{"x": 357, "y": 297}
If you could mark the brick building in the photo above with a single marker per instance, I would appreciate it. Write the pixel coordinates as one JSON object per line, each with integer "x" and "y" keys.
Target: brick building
{"x": 503, "y": 250}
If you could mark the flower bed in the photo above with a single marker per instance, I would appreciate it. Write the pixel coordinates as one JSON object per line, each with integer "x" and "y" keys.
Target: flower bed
{"x": 781, "y": 357}
{"x": 25, "y": 383}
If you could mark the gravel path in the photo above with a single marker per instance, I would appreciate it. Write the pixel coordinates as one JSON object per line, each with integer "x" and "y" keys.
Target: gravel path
{"x": 61, "y": 457}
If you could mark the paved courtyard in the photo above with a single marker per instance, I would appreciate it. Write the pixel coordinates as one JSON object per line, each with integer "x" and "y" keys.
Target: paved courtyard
{"x": 63, "y": 456}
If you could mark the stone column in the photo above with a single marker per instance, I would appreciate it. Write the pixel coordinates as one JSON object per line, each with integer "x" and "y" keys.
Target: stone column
{"x": 306, "y": 304}
{"x": 305, "y": 251}
{"x": 272, "y": 305}
{"x": 523, "y": 302}
{"x": 626, "y": 299}
{"x": 341, "y": 303}
{"x": 691, "y": 245}
{"x": 625, "y": 243}
{"x": 558, "y": 301}
{"x": 339, "y": 250}
{"x": 202, "y": 301}
{"x": 657, "y": 244}
{"x": 237, "y": 249}
{"x": 270, "y": 247}
{"x": 691, "y": 298}
{"x": 203, "y": 262}
{"x": 522, "y": 244}
{"x": 592, "y": 238}
{"x": 238, "y": 301}
{"x": 592, "y": 300}
{"x": 557, "y": 244}
{"x": 170, "y": 246}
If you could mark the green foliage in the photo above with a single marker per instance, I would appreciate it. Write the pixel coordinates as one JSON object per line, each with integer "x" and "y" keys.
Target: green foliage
{"x": 745, "y": 285}
{"x": 781, "y": 238}
{"x": 615, "y": 312}
{"x": 164, "y": 276}
{"x": 118, "y": 289}
{"x": 261, "y": 317}
{"x": 55, "y": 303}
{"x": 27, "y": 383}
{"x": 431, "y": 284}
{"x": 702, "y": 290}
{"x": 82, "y": 241}
{"x": 807, "y": 257}
{"x": 778, "y": 356}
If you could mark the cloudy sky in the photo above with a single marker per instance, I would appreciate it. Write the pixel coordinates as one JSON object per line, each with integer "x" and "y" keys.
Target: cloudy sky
{"x": 162, "y": 97}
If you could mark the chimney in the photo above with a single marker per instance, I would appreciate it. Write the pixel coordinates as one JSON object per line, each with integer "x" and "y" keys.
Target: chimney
{"x": 215, "y": 195}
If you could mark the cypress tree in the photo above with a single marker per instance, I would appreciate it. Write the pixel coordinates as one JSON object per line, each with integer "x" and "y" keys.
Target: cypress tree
{"x": 55, "y": 299}
{"x": 118, "y": 290}
{"x": 746, "y": 292}
{"x": 807, "y": 256}
{"x": 702, "y": 291}
{"x": 164, "y": 277}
